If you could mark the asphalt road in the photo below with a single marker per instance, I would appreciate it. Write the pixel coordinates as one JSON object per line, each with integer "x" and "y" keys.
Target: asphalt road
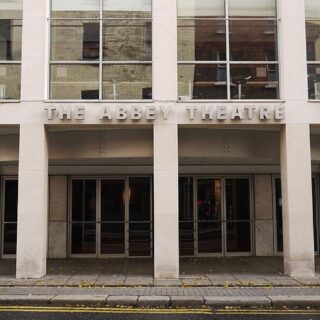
{"x": 32, "y": 313}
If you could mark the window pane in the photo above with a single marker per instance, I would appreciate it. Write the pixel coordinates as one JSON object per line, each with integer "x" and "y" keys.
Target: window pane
{"x": 75, "y": 8}
{"x": 209, "y": 237}
{"x": 11, "y": 201}
{"x": 313, "y": 39}
{"x": 11, "y": 9}
{"x": 83, "y": 238}
{"x": 200, "y": 8}
{"x": 202, "y": 81}
{"x": 312, "y": 8}
{"x": 314, "y": 81}
{"x": 185, "y": 199}
{"x": 253, "y": 40}
{"x": 125, "y": 40}
{"x": 127, "y": 8}
{"x": 112, "y": 238}
{"x": 201, "y": 40}
{"x": 238, "y": 237}
{"x": 254, "y": 81}
{"x": 74, "y": 40}
{"x": 10, "y": 77}
{"x": 127, "y": 82}
{"x": 74, "y": 82}
{"x": 10, "y": 39}
{"x": 252, "y": 8}
{"x": 186, "y": 238}
{"x": 9, "y": 238}
{"x": 279, "y": 215}
{"x": 139, "y": 239}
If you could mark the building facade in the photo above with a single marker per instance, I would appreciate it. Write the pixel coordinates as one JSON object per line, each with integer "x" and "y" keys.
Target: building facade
{"x": 159, "y": 129}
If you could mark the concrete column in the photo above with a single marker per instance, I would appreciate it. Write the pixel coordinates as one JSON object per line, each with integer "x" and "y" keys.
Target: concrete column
{"x": 164, "y": 51}
{"x": 32, "y": 202}
{"x": 297, "y": 209}
{"x": 166, "y": 217}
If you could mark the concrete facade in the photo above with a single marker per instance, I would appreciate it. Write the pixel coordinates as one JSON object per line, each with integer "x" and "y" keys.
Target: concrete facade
{"x": 163, "y": 138}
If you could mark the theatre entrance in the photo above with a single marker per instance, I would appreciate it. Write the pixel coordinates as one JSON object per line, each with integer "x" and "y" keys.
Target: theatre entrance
{"x": 110, "y": 217}
{"x": 215, "y": 216}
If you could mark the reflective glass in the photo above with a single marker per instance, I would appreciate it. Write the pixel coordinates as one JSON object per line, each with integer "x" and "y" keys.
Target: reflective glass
{"x": 83, "y": 238}
{"x": 312, "y": 8}
{"x": 139, "y": 239}
{"x": 201, "y": 40}
{"x": 314, "y": 81}
{"x": 10, "y": 39}
{"x": 11, "y": 9}
{"x": 127, "y": 8}
{"x": 10, "y": 79}
{"x": 112, "y": 238}
{"x": 125, "y": 81}
{"x": 9, "y": 238}
{"x": 74, "y": 40}
{"x": 75, "y": 8}
{"x": 125, "y": 40}
{"x": 209, "y": 237}
{"x": 252, "y": 81}
{"x": 201, "y": 8}
{"x": 202, "y": 81}
{"x": 313, "y": 40}
{"x": 252, "y": 8}
{"x": 186, "y": 238}
{"x": 74, "y": 82}
{"x": 11, "y": 201}
{"x": 185, "y": 199}
{"x": 254, "y": 40}
{"x": 238, "y": 237}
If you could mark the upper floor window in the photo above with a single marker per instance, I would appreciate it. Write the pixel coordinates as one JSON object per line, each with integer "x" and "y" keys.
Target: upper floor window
{"x": 227, "y": 49}
{"x": 313, "y": 48}
{"x": 101, "y": 50}
{"x": 10, "y": 49}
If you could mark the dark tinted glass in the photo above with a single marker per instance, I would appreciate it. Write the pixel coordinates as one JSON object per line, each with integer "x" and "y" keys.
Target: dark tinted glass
{"x": 83, "y": 238}
{"x": 238, "y": 237}
{"x": 139, "y": 239}
{"x": 209, "y": 237}
{"x": 185, "y": 199}
{"x": 314, "y": 81}
{"x": 186, "y": 238}
{"x": 9, "y": 238}
{"x": 11, "y": 201}
{"x": 313, "y": 37}
{"x": 112, "y": 238}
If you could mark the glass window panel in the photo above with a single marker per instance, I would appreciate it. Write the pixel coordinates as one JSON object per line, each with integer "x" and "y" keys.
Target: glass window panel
{"x": 202, "y": 81}
{"x": 9, "y": 238}
{"x": 252, "y": 81}
{"x": 315, "y": 220}
{"x": 185, "y": 199}
{"x": 112, "y": 238}
{"x": 238, "y": 237}
{"x": 313, "y": 40}
{"x": 252, "y": 8}
{"x": 112, "y": 200}
{"x": 139, "y": 199}
{"x": 84, "y": 200}
{"x": 74, "y": 82}
{"x": 10, "y": 78}
{"x": 200, "y": 8}
{"x": 127, "y": 8}
{"x": 186, "y": 238}
{"x": 209, "y": 199}
{"x": 237, "y": 199}
{"x": 10, "y": 40}
{"x": 127, "y": 81}
{"x": 83, "y": 238}
{"x": 209, "y": 237}
{"x": 312, "y": 8}
{"x": 11, "y": 201}
{"x": 125, "y": 40}
{"x": 201, "y": 40}
{"x": 314, "y": 81}
{"x": 139, "y": 239}
{"x": 74, "y": 40}
{"x": 253, "y": 40}
{"x": 75, "y": 8}
{"x": 11, "y": 9}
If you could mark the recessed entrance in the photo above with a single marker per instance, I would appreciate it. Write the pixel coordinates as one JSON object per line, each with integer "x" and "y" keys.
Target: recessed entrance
{"x": 111, "y": 217}
{"x": 215, "y": 216}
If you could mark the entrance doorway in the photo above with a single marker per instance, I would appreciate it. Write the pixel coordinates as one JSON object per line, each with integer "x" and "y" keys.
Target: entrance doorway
{"x": 215, "y": 216}
{"x": 111, "y": 217}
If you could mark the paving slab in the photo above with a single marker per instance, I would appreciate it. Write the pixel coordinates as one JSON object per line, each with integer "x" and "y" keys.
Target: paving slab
{"x": 82, "y": 280}
{"x": 138, "y": 281}
{"x": 309, "y": 281}
{"x": 237, "y": 301}
{"x": 167, "y": 282}
{"x": 110, "y": 281}
{"x": 26, "y": 300}
{"x": 186, "y": 302}
{"x": 123, "y": 301}
{"x": 79, "y": 300}
{"x": 282, "y": 281}
{"x": 24, "y": 282}
{"x": 295, "y": 301}
{"x": 154, "y": 301}
{"x": 196, "y": 282}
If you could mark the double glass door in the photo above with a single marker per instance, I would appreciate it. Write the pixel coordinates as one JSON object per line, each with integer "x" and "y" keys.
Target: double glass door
{"x": 111, "y": 217}
{"x": 215, "y": 216}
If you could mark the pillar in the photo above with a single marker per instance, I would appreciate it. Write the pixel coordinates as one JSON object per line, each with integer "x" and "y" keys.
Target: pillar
{"x": 32, "y": 202}
{"x": 298, "y": 241}
{"x": 166, "y": 216}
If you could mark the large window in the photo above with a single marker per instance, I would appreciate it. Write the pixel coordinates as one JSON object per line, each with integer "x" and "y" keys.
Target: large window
{"x": 227, "y": 49}
{"x": 313, "y": 48}
{"x": 101, "y": 50}
{"x": 10, "y": 49}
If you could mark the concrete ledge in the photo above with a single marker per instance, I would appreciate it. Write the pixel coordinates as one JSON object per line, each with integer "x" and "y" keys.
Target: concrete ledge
{"x": 237, "y": 301}
{"x": 79, "y": 300}
{"x": 23, "y": 300}
{"x": 123, "y": 301}
{"x": 154, "y": 301}
{"x": 187, "y": 301}
{"x": 295, "y": 301}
